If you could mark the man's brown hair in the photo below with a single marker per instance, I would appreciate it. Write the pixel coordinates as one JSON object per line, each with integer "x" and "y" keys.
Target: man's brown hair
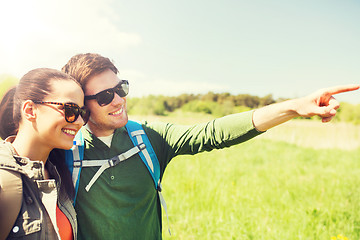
{"x": 84, "y": 66}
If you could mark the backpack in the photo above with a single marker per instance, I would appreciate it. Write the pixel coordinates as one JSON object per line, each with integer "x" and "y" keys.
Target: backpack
{"x": 142, "y": 146}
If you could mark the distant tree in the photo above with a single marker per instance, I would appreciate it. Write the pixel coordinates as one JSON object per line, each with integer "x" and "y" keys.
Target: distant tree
{"x": 247, "y": 100}
{"x": 224, "y": 97}
{"x": 267, "y": 100}
{"x": 210, "y": 96}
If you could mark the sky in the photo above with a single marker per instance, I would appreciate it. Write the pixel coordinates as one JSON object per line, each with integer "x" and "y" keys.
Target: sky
{"x": 285, "y": 48}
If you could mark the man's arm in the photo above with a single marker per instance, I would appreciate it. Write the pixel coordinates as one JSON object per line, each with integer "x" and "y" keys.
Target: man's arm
{"x": 321, "y": 103}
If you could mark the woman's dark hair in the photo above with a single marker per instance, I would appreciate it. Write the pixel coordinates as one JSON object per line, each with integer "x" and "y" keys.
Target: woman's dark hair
{"x": 57, "y": 157}
{"x": 7, "y": 125}
{"x": 34, "y": 85}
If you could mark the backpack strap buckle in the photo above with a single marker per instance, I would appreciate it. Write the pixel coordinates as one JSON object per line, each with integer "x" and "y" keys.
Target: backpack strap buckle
{"x": 141, "y": 146}
{"x": 77, "y": 163}
{"x": 114, "y": 161}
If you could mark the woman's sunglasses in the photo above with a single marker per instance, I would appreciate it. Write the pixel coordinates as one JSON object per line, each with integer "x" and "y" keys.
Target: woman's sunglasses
{"x": 106, "y": 96}
{"x": 72, "y": 111}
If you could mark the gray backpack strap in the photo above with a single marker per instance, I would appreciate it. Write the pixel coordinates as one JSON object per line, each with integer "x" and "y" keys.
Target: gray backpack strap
{"x": 105, "y": 164}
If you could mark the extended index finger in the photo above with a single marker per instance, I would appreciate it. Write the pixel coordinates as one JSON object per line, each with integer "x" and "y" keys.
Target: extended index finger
{"x": 342, "y": 88}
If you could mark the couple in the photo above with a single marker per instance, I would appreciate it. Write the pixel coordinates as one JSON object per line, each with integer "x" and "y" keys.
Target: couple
{"x": 49, "y": 109}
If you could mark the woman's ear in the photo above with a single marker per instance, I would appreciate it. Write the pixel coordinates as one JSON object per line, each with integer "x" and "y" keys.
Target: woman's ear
{"x": 29, "y": 110}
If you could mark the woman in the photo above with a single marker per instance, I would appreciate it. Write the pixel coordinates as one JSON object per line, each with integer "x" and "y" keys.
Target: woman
{"x": 42, "y": 113}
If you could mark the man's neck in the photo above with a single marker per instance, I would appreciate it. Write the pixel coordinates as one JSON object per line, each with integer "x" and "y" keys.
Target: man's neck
{"x": 99, "y": 132}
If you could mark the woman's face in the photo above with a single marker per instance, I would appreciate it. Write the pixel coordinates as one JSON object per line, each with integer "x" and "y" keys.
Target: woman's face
{"x": 53, "y": 130}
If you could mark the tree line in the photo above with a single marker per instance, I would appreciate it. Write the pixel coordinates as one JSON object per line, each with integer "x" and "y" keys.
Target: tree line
{"x": 220, "y": 104}
{"x": 216, "y": 104}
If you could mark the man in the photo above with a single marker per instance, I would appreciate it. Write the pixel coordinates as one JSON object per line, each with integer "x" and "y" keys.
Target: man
{"x": 123, "y": 203}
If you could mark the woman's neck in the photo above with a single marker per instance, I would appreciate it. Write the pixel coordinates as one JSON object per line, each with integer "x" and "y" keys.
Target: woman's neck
{"x": 28, "y": 146}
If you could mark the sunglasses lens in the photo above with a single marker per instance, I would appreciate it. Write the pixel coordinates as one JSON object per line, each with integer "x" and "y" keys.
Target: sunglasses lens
{"x": 85, "y": 114}
{"x": 71, "y": 113}
{"x": 104, "y": 98}
{"x": 122, "y": 90}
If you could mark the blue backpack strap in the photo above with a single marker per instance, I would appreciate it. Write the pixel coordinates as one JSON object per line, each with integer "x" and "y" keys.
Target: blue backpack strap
{"x": 148, "y": 156}
{"x": 73, "y": 157}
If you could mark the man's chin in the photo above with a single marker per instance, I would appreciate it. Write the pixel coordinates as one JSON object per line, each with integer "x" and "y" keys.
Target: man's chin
{"x": 121, "y": 122}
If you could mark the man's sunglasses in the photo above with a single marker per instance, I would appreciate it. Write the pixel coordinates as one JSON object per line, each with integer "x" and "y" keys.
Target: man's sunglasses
{"x": 106, "y": 96}
{"x": 72, "y": 111}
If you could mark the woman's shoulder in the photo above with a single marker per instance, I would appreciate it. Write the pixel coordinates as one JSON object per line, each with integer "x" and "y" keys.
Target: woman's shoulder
{"x": 6, "y": 153}
{"x": 9, "y": 168}
{"x": 9, "y": 160}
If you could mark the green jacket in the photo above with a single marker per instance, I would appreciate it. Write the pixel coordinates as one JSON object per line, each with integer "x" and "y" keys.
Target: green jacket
{"x": 123, "y": 202}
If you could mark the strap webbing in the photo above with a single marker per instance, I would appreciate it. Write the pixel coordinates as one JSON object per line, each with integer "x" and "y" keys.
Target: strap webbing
{"x": 139, "y": 139}
{"x": 163, "y": 203}
{"x": 140, "y": 135}
{"x": 105, "y": 164}
{"x": 76, "y": 156}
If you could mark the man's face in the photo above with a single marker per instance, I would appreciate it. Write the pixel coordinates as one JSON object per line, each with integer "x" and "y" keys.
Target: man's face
{"x": 105, "y": 119}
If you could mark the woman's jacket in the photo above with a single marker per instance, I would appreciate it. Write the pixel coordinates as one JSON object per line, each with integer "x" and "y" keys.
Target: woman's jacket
{"x": 36, "y": 218}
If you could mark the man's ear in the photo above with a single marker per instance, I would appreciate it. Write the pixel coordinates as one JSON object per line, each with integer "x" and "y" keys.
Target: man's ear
{"x": 29, "y": 110}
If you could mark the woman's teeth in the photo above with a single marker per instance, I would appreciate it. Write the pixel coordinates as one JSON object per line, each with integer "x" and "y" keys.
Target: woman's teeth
{"x": 68, "y": 131}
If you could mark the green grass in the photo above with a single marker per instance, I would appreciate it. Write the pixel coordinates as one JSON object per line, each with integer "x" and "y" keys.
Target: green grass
{"x": 264, "y": 189}
{"x": 299, "y": 180}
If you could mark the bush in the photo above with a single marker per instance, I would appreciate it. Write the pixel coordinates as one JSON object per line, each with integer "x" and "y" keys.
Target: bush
{"x": 151, "y": 105}
{"x": 214, "y": 108}
{"x": 348, "y": 113}
{"x": 199, "y": 106}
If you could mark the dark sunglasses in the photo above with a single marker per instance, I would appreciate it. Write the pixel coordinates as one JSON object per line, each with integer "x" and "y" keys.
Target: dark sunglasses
{"x": 72, "y": 111}
{"x": 106, "y": 96}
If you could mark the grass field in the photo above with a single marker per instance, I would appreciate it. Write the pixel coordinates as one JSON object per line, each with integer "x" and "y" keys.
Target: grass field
{"x": 297, "y": 181}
